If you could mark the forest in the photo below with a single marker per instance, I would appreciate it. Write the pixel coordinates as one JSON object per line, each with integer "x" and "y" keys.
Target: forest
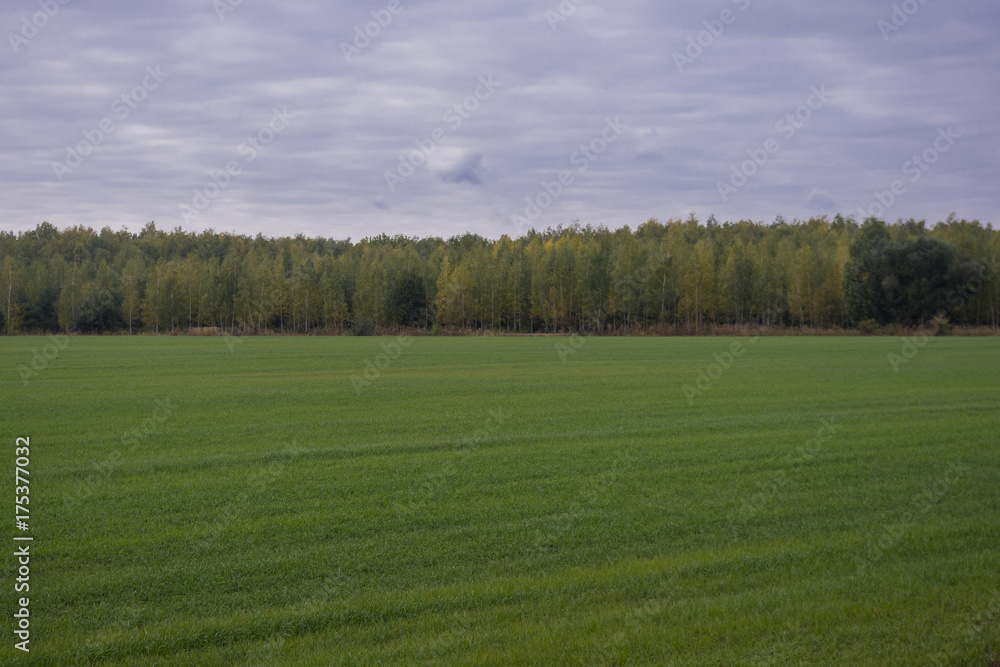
{"x": 678, "y": 276}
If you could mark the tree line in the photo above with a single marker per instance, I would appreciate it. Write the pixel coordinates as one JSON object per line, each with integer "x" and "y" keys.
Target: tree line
{"x": 675, "y": 276}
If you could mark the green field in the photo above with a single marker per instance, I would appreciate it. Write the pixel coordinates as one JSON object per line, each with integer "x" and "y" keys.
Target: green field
{"x": 539, "y": 500}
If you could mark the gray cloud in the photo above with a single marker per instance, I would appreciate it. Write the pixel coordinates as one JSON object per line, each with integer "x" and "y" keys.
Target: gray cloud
{"x": 467, "y": 169}
{"x": 324, "y": 174}
{"x": 819, "y": 200}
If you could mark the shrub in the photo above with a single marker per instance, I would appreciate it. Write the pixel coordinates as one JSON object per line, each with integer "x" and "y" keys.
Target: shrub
{"x": 941, "y": 326}
{"x": 362, "y": 325}
{"x": 869, "y": 326}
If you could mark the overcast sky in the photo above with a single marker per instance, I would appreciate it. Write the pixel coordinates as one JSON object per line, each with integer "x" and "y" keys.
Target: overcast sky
{"x": 119, "y": 113}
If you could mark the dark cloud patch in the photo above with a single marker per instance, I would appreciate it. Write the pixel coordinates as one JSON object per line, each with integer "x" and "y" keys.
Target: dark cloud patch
{"x": 468, "y": 170}
{"x": 819, "y": 200}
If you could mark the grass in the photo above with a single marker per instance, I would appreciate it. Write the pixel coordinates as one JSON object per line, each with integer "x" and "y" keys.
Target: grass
{"x": 505, "y": 501}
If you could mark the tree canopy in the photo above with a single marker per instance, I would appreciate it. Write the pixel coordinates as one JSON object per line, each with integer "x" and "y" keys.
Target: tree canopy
{"x": 680, "y": 275}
